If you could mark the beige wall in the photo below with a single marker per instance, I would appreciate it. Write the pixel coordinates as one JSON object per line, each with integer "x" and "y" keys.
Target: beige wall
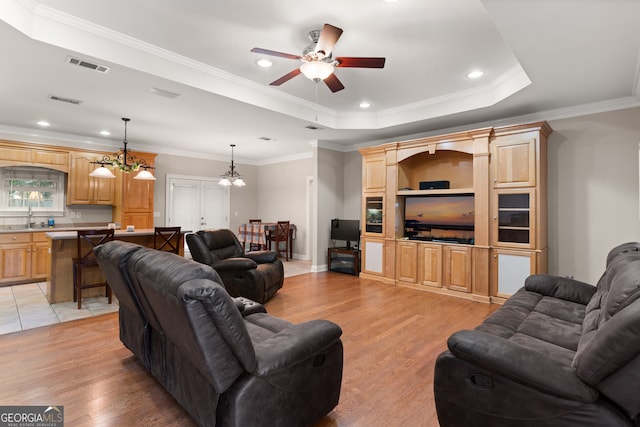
{"x": 282, "y": 195}
{"x": 593, "y": 190}
{"x": 242, "y": 200}
{"x": 331, "y": 197}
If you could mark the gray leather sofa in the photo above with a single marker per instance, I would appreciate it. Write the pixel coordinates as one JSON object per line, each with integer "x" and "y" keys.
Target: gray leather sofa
{"x": 225, "y": 360}
{"x": 558, "y": 353}
{"x": 256, "y": 275}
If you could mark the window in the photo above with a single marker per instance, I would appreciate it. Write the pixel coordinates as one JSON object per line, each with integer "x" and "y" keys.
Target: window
{"x": 39, "y": 188}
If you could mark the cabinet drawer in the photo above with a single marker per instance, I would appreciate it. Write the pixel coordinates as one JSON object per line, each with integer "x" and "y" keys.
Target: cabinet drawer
{"x": 39, "y": 237}
{"x": 15, "y": 238}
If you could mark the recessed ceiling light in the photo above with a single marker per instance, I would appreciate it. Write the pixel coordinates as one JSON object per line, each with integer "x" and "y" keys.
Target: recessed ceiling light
{"x": 264, "y": 63}
{"x": 365, "y": 104}
{"x": 475, "y": 74}
{"x": 105, "y": 133}
{"x": 44, "y": 123}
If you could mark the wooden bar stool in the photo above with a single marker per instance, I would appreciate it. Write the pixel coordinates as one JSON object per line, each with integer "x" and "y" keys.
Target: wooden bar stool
{"x": 167, "y": 239}
{"x": 87, "y": 240}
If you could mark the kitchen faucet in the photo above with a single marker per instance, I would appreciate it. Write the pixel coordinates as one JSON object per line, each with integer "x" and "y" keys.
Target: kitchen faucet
{"x": 29, "y": 215}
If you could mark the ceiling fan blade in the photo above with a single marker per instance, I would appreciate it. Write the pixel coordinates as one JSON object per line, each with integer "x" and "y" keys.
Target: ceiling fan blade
{"x": 286, "y": 77}
{"x": 328, "y": 38}
{"x": 274, "y": 53}
{"x": 347, "y": 61}
{"x": 333, "y": 83}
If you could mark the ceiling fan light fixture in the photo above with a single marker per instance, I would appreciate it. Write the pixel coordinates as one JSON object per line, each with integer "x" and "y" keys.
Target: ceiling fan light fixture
{"x": 316, "y": 70}
{"x": 264, "y": 63}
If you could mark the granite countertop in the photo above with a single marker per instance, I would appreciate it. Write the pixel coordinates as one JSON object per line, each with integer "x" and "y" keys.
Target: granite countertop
{"x": 6, "y": 229}
{"x": 71, "y": 234}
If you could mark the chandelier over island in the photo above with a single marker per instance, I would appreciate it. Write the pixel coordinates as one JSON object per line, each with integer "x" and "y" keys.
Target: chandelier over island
{"x": 124, "y": 161}
{"x": 232, "y": 177}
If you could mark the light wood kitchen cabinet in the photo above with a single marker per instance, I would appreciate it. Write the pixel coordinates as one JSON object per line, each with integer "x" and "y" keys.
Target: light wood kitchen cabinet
{"x": 83, "y": 189}
{"x": 406, "y": 261}
{"x": 23, "y": 257}
{"x": 374, "y": 172}
{"x": 134, "y": 198}
{"x": 39, "y": 256}
{"x": 430, "y": 264}
{"x": 457, "y": 267}
{"x": 514, "y": 162}
{"x": 14, "y": 153}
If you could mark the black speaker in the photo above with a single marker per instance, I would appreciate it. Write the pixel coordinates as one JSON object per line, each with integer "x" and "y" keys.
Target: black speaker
{"x": 434, "y": 185}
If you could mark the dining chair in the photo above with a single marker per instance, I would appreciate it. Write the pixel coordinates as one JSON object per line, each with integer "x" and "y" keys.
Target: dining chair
{"x": 167, "y": 239}
{"x": 280, "y": 235}
{"x": 85, "y": 260}
{"x": 254, "y": 246}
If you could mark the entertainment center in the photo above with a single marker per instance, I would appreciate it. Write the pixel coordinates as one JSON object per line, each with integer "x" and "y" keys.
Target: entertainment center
{"x": 461, "y": 214}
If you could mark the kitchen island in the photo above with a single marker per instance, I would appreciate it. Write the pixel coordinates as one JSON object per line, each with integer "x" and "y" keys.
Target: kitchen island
{"x": 63, "y": 248}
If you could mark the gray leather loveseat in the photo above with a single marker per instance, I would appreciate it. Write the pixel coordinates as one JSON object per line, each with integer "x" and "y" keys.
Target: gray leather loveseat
{"x": 558, "y": 353}
{"x": 225, "y": 360}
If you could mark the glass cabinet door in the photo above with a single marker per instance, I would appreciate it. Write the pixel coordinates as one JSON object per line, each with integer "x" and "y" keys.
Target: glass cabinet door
{"x": 373, "y": 214}
{"x": 513, "y": 216}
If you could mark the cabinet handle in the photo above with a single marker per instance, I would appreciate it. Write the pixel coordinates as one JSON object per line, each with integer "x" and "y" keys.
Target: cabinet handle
{"x": 13, "y": 238}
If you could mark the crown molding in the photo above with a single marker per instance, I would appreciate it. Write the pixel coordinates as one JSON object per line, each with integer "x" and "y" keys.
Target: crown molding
{"x": 49, "y": 25}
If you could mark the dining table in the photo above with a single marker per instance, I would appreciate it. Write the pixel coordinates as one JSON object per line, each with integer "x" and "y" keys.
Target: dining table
{"x": 257, "y": 233}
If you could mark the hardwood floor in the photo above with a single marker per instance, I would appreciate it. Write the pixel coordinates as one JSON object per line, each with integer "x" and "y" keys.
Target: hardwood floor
{"x": 391, "y": 337}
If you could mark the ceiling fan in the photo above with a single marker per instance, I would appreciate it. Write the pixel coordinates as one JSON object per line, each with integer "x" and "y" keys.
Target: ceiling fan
{"x": 317, "y": 61}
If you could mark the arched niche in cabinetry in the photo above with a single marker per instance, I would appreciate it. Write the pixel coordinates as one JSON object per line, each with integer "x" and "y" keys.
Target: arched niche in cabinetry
{"x": 453, "y": 167}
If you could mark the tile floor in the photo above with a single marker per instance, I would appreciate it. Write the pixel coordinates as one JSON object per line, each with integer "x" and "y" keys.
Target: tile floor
{"x": 25, "y": 307}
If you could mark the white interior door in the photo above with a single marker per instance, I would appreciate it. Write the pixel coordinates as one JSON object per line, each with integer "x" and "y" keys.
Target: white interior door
{"x": 196, "y": 203}
{"x": 213, "y": 205}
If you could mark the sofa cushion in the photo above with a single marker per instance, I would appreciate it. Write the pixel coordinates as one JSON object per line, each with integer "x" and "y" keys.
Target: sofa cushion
{"x": 612, "y": 322}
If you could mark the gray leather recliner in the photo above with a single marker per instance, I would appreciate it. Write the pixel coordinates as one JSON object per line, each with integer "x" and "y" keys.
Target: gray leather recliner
{"x": 255, "y": 275}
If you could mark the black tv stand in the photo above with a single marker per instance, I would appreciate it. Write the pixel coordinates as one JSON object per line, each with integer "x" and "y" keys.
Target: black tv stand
{"x": 344, "y": 260}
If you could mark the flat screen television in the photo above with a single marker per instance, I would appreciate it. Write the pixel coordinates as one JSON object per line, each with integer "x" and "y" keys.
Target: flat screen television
{"x": 347, "y": 230}
{"x": 446, "y": 218}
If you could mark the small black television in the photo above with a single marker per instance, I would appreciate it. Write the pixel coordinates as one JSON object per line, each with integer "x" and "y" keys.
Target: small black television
{"x": 347, "y": 230}
{"x": 447, "y": 218}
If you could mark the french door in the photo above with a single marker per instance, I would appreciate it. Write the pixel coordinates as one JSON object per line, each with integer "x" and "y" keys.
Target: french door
{"x": 197, "y": 203}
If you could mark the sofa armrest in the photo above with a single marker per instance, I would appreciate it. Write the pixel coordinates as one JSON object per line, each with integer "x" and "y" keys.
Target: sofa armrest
{"x": 560, "y": 287}
{"x": 295, "y": 344}
{"x": 262, "y": 257}
{"x": 234, "y": 264}
{"x": 519, "y": 364}
{"x": 248, "y": 306}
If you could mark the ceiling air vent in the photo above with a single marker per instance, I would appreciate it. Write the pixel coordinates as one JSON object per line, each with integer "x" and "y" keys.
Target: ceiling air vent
{"x": 79, "y": 62}
{"x": 62, "y": 99}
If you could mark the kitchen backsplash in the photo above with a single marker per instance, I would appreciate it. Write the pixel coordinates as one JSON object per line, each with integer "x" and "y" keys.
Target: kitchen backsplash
{"x": 73, "y": 215}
